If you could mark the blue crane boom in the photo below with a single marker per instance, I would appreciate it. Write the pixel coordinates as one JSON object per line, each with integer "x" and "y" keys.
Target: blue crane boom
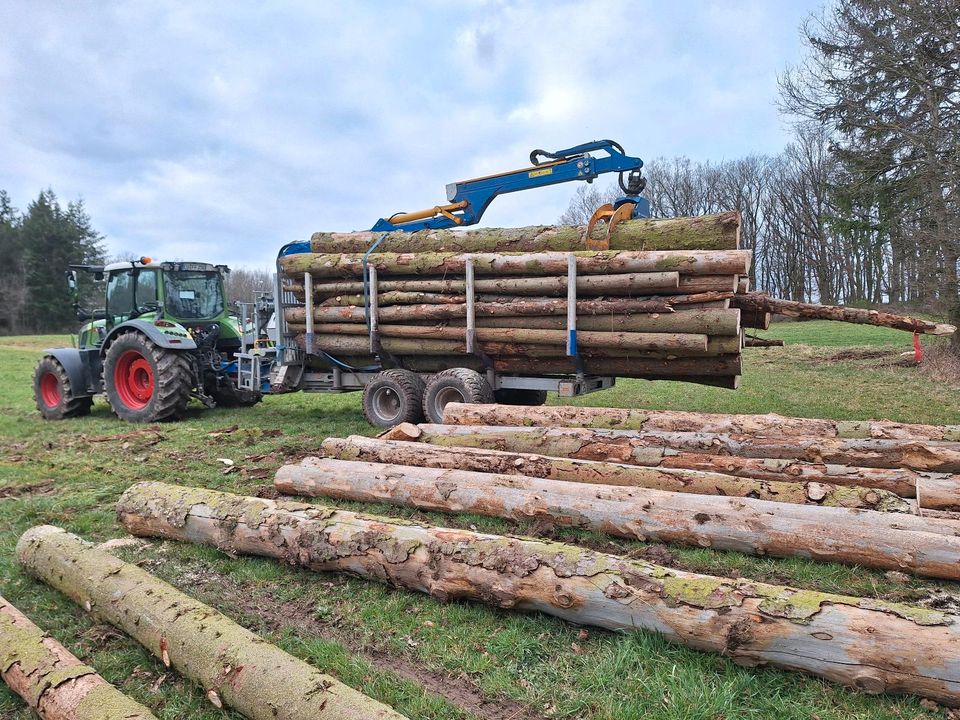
{"x": 469, "y": 199}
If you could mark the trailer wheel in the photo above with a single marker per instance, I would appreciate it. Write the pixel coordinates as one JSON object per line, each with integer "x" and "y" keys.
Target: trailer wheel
{"x": 144, "y": 382}
{"x": 510, "y": 396}
{"x": 55, "y": 397}
{"x": 393, "y": 397}
{"x": 454, "y": 385}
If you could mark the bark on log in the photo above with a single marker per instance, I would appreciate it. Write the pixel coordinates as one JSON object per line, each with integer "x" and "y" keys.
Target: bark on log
{"x": 694, "y": 262}
{"x": 611, "y": 284}
{"x": 52, "y": 681}
{"x": 923, "y": 546}
{"x": 654, "y": 341}
{"x": 758, "y": 342}
{"x": 234, "y": 666}
{"x": 708, "y": 322}
{"x": 707, "y": 283}
{"x": 522, "y": 307}
{"x": 393, "y": 298}
{"x": 755, "y": 320}
{"x": 763, "y": 303}
{"x": 870, "y": 644}
{"x": 769, "y": 425}
{"x": 705, "y": 232}
{"x": 594, "y": 472}
{"x": 621, "y": 445}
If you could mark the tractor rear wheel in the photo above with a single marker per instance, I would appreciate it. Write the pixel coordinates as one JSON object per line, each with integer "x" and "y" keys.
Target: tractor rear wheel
{"x": 55, "y": 397}
{"x": 144, "y": 382}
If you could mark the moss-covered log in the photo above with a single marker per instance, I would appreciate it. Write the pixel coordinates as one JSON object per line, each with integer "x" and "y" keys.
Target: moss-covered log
{"x": 621, "y": 445}
{"x": 770, "y": 425}
{"x": 758, "y": 302}
{"x": 235, "y": 667}
{"x": 923, "y": 546}
{"x": 705, "y": 232}
{"x": 693, "y": 262}
{"x": 398, "y": 452}
{"x": 52, "y": 681}
{"x": 869, "y": 644}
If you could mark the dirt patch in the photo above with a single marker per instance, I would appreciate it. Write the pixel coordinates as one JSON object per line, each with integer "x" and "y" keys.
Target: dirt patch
{"x": 42, "y": 488}
{"x": 858, "y": 354}
{"x": 300, "y": 615}
{"x": 941, "y": 600}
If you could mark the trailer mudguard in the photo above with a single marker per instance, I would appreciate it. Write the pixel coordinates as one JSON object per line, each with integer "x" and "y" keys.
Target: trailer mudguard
{"x": 75, "y": 365}
{"x": 171, "y": 336}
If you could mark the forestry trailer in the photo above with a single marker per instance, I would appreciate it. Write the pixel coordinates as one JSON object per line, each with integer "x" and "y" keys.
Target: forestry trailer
{"x": 165, "y": 334}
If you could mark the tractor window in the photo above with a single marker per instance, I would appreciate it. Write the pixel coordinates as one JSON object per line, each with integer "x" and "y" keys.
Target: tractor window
{"x": 193, "y": 295}
{"x": 146, "y": 288}
{"x": 120, "y": 295}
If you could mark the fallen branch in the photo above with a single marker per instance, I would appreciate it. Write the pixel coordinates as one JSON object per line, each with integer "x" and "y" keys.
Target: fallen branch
{"x": 52, "y": 681}
{"x": 869, "y": 644}
{"x": 235, "y": 667}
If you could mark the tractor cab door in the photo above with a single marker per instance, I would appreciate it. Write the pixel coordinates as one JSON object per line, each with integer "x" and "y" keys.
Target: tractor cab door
{"x": 130, "y": 294}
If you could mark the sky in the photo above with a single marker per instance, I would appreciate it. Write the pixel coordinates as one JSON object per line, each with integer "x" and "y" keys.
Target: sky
{"x": 220, "y": 131}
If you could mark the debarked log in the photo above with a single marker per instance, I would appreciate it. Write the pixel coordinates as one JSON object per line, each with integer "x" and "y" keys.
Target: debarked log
{"x": 622, "y": 445}
{"x": 769, "y": 425}
{"x": 52, "y": 681}
{"x": 923, "y": 546}
{"x": 762, "y": 303}
{"x": 596, "y": 472}
{"x": 870, "y": 644}
{"x": 719, "y": 231}
{"x": 693, "y": 262}
{"x": 234, "y": 666}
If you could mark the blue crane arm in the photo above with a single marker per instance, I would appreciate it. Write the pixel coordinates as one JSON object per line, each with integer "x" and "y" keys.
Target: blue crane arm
{"x": 469, "y": 199}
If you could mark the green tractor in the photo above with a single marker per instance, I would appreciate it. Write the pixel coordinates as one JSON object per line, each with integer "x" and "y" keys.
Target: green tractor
{"x": 165, "y": 335}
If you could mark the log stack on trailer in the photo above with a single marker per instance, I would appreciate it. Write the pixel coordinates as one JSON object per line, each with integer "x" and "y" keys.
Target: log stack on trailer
{"x": 526, "y": 301}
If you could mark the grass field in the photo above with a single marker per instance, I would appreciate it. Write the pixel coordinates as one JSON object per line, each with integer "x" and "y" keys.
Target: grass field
{"x": 432, "y": 660}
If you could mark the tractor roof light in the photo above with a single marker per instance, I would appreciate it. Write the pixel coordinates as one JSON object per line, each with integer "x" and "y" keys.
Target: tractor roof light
{"x": 145, "y": 260}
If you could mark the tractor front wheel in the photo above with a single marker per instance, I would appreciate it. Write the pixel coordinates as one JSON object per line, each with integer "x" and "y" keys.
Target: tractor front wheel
{"x": 144, "y": 382}
{"x": 55, "y": 397}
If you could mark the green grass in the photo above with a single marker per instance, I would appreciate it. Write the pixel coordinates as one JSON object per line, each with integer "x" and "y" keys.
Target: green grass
{"x": 374, "y": 637}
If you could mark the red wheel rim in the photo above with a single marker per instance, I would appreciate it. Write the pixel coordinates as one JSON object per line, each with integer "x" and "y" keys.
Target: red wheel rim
{"x": 50, "y": 390}
{"x": 133, "y": 378}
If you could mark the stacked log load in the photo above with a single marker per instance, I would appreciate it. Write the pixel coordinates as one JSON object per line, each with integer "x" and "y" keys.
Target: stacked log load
{"x": 656, "y": 305}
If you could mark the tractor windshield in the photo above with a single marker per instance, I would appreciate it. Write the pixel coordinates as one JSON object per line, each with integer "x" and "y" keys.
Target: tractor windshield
{"x": 192, "y": 295}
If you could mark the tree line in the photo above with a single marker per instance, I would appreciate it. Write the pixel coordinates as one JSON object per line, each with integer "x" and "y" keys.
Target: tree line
{"x": 36, "y": 247}
{"x": 861, "y": 207}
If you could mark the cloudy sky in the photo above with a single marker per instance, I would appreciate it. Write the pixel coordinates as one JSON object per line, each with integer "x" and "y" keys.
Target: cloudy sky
{"x": 219, "y": 131}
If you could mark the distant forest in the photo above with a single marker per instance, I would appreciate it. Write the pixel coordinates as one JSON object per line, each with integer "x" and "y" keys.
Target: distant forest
{"x": 862, "y": 206}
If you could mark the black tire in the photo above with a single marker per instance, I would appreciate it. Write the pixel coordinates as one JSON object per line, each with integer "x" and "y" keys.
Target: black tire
{"x": 454, "y": 385}
{"x": 55, "y": 397}
{"x": 393, "y": 397}
{"x": 144, "y": 382}
{"x": 510, "y": 396}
